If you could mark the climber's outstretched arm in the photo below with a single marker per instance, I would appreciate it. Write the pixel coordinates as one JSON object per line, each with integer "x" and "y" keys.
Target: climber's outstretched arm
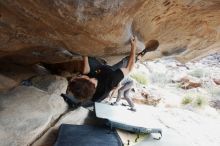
{"x": 131, "y": 61}
{"x": 86, "y": 67}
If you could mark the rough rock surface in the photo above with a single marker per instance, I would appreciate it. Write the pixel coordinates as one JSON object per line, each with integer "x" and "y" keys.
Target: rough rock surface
{"x": 17, "y": 72}
{"x": 76, "y": 117}
{"x": 146, "y": 96}
{"x": 45, "y": 31}
{"x": 6, "y": 83}
{"x": 215, "y": 103}
{"x": 189, "y": 82}
{"x": 26, "y": 112}
{"x": 51, "y": 83}
{"x": 79, "y": 116}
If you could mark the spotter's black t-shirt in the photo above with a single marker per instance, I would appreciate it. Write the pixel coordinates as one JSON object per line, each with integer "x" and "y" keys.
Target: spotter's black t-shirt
{"x": 107, "y": 80}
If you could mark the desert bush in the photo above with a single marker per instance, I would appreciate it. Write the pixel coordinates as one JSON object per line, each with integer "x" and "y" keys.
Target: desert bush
{"x": 196, "y": 100}
{"x": 140, "y": 78}
{"x": 187, "y": 100}
{"x": 200, "y": 101}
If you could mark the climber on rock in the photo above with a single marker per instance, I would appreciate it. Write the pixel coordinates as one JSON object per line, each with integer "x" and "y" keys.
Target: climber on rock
{"x": 98, "y": 78}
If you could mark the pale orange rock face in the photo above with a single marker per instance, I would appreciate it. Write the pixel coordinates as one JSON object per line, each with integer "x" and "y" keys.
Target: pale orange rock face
{"x": 41, "y": 31}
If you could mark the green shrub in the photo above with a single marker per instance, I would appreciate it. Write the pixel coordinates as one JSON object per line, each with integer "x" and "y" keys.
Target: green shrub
{"x": 140, "y": 78}
{"x": 200, "y": 101}
{"x": 195, "y": 100}
{"x": 187, "y": 100}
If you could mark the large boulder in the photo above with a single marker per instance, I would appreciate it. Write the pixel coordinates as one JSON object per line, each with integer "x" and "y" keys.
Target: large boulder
{"x": 50, "y": 83}
{"x": 79, "y": 116}
{"x": 48, "y": 31}
{"x": 76, "y": 117}
{"x": 26, "y": 113}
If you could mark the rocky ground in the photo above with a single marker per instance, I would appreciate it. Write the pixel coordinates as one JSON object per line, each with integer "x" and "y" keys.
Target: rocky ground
{"x": 184, "y": 98}
{"x": 172, "y": 81}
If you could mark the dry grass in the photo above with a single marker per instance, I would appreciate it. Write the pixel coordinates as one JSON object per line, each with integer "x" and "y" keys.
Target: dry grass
{"x": 140, "y": 78}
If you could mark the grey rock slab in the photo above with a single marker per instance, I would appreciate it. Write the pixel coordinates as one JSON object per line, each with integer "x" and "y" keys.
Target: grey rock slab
{"x": 25, "y": 113}
{"x": 79, "y": 116}
{"x": 51, "y": 83}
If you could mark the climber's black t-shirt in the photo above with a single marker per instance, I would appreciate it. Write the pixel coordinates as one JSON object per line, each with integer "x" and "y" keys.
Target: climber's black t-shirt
{"x": 107, "y": 80}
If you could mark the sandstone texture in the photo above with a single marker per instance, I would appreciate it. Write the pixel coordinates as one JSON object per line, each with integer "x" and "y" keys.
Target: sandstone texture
{"x": 79, "y": 116}
{"x": 56, "y": 32}
{"x": 50, "y": 83}
{"x": 50, "y": 31}
{"x": 26, "y": 112}
{"x": 6, "y": 83}
{"x": 76, "y": 117}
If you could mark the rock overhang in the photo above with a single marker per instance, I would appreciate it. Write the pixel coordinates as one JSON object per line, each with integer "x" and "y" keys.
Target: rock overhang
{"x": 45, "y": 31}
